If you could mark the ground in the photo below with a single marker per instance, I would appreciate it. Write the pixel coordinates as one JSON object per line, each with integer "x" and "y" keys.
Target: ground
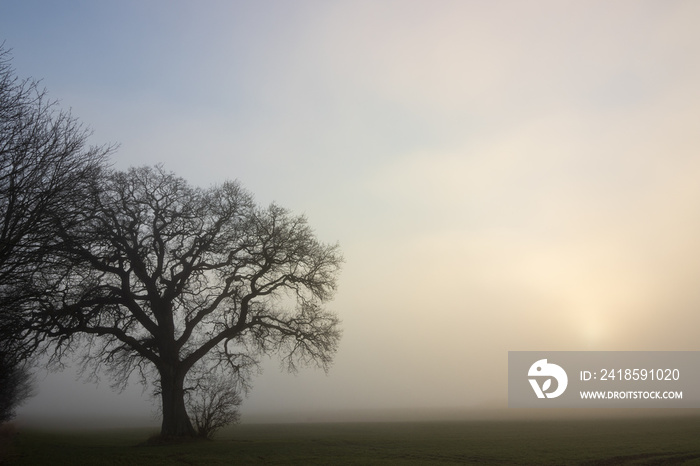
{"x": 586, "y": 442}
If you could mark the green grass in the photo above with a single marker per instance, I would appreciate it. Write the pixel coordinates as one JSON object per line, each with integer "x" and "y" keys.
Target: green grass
{"x": 593, "y": 442}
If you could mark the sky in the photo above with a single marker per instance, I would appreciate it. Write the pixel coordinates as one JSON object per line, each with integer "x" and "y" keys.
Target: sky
{"x": 500, "y": 176}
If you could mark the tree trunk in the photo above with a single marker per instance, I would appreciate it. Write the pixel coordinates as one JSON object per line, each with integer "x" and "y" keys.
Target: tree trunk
{"x": 176, "y": 422}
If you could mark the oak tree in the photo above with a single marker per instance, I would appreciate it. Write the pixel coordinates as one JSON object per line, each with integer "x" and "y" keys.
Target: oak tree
{"x": 169, "y": 280}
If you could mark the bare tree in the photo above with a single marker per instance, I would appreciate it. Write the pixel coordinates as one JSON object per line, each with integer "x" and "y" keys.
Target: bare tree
{"x": 44, "y": 162}
{"x": 158, "y": 276}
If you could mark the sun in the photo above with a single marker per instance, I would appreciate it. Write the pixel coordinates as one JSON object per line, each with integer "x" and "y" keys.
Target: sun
{"x": 593, "y": 329}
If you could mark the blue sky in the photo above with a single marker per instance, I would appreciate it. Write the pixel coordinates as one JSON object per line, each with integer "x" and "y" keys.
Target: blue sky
{"x": 500, "y": 175}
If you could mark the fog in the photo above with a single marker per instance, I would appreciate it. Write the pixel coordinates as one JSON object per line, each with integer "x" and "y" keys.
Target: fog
{"x": 500, "y": 175}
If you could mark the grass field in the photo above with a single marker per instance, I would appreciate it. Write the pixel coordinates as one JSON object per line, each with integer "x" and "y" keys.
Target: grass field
{"x": 586, "y": 442}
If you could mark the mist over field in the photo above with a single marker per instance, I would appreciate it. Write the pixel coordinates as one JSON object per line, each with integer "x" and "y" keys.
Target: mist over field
{"x": 500, "y": 176}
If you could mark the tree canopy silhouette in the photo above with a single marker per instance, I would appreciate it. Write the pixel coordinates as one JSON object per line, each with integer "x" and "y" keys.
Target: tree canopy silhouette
{"x": 172, "y": 282}
{"x": 44, "y": 163}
